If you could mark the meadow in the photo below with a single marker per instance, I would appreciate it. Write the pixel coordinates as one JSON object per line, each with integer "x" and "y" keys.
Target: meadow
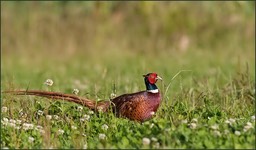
{"x": 204, "y": 51}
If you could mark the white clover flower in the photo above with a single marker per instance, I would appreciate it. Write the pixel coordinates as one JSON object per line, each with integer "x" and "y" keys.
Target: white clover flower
{"x": 18, "y": 121}
{"x": 5, "y": 119}
{"x": 151, "y": 125}
{"x": 48, "y": 82}
{"x": 154, "y": 139}
{"x": 102, "y": 136}
{"x": 100, "y": 108}
{"x": 248, "y": 126}
{"x": 215, "y": 127}
{"x": 184, "y": 121}
{"x": 40, "y": 112}
{"x": 17, "y": 127}
{"x": 194, "y": 120}
{"x": 227, "y": 122}
{"x": 4, "y": 109}
{"x": 104, "y": 127}
{"x": 73, "y": 127}
{"x": 253, "y": 117}
{"x": 146, "y": 141}
{"x": 90, "y": 112}
{"x": 84, "y": 135}
{"x": 112, "y": 95}
{"x": 85, "y": 146}
{"x": 12, "y": 121}
{"x": 48, "y": 117}
{"x": 237, "y": 133}
{"x": 27, "y": 126}
{"x": 80, "y": 108}
{"x": 192, "y": 125}
{"x": 31, "y": 139}
{"x": 75, "y": 91}
{"x": 152, "y": 113}
{"x": 60, "y": 131}
{"x": 82, "y": 119}
{"x": 56, "y": 117}
{"x": 86, "y": 117}
{"x": 216, "y": 133}
{"x": 208, "y": 118}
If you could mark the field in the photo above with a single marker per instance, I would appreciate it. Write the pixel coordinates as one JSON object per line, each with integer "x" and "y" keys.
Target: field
{"x": 204, "y": 51}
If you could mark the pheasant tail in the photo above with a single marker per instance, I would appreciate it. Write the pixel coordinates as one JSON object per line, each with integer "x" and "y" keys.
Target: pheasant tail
{"x": 91, "y": 104}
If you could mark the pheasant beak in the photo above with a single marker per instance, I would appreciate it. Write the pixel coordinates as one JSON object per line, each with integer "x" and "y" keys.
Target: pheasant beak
{"x": 158, "y": 77}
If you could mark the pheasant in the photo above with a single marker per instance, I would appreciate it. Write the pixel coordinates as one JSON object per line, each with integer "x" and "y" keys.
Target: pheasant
{"x": 140, "y": 106}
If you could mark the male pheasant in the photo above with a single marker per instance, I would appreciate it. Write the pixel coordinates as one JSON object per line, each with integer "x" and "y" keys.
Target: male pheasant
{"x": 140, "y": 106}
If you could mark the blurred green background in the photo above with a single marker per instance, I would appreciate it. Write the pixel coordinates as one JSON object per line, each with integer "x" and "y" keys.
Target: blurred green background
{"x": 116, "y": 42}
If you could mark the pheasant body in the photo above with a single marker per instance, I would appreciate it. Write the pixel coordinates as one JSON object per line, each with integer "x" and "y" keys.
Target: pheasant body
{"x": 140, "y": 106}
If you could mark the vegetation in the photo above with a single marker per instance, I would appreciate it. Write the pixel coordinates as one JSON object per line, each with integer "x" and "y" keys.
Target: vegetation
{"x": 103, "y": 49}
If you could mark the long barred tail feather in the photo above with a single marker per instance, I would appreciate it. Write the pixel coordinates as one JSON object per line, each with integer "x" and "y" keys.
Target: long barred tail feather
{"x": 91, "y": 104}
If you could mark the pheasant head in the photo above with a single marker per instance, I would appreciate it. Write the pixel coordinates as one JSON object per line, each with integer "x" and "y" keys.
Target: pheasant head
{"x": 150, "y": 80}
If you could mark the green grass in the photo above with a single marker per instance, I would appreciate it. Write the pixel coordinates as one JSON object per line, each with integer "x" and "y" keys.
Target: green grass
{"x": 211, "y": 106}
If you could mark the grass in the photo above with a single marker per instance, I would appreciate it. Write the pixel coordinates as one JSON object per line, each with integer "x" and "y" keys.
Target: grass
{"x": 210, "y": 106}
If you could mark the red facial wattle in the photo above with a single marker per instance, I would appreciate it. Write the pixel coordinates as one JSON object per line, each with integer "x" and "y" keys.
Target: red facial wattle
{"x": 152, "y": 78}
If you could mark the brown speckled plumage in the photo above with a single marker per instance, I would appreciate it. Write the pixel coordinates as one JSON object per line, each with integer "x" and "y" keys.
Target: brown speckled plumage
{"x": 140, "y": 106}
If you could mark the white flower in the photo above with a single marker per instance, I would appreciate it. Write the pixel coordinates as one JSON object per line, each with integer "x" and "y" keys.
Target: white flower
{"x": 27, "y": 126}
{"x": 184, "y": 121}
{"x": 112, "y": 95}
{"x": 208, "y": 118}
{"x": 152, "y": 113}
{"x": 82, "y": 119}
{"x": 151, "y": 125}
{"x": 60, "y": 131}
{"x": 154, "y": 139}
{"x": 86, "y": 117}
{"x": 84, "y": 135}
{"x": 215, "y": 127}
{"x": 102, "y": 136}
{"x": 4, "y": 109}
{"x": 100, "y": 108}
{"x": 216, "y": 133}
{"x": 73, "y": 127}
{"x": 253, "y": 117}
{"x": 80, "y": 108}
{"x": 48, "y": 117}
{"x": 248, "y": 126}
{"x": 146, "y": 141}
{"x": 48, "y": 82}
{"x": 5, "y": 119}
{"x": 194, "y": 120}
{"x": 85, "y": 146}
{"x": 75, "y": 91}
{"x": 237, "y": 133}
{"x": 40, "y": 112}
{"x": 192, "y": 125}
{"x": 12, "y": 121}
{"x": 56, "y": 117}
{"x": 104, "y": 127}
{"x": 31, "y": 139}
{"x": 90, "y": 112}
{"x": 18, "y": 121}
